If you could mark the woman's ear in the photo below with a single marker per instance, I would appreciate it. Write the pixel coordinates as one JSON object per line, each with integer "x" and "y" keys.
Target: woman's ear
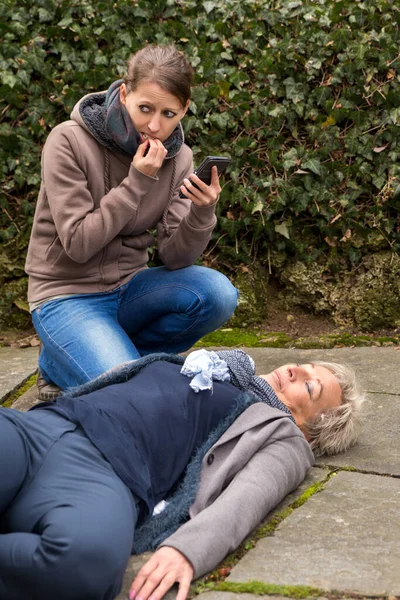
{"x": 122, "y": 93}
{"x": 186, "y": 108}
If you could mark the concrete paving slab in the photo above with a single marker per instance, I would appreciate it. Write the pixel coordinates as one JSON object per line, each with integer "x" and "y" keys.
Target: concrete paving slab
{"x": 346, "y": 538}
{"x": 314, "y": 475}
{"x": 378, "y": 448}
{"x": 376, "y": 366}
{"x": 27, "y": 400}
{"x": 16, "y": 366}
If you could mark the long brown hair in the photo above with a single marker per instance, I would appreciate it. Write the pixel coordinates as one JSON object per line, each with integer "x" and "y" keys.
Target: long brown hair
{"x": 163, "y": 65}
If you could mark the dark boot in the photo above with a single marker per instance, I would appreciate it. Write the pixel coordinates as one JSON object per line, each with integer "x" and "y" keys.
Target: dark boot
{"x": 46, "y": 391}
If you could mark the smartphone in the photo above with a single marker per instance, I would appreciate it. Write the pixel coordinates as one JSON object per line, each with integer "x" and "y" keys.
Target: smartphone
{"x": 203, "y": 171}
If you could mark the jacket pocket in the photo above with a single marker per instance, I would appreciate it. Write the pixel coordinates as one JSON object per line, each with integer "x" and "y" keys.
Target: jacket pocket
{"x": 139, "y": 242}
{"x": 54, "y": 251}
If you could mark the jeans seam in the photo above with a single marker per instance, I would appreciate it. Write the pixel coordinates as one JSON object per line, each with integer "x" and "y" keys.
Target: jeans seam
{"x": 63, "y": 351}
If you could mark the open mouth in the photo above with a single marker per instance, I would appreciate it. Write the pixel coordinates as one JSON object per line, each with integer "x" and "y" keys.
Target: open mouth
{"x": 145, "y": 136}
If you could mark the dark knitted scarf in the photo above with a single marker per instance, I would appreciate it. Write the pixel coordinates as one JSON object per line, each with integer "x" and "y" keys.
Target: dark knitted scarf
{"x": 242, "y": 373}
{"x": 155, "y": 529}
{"x": 110, "y": 124}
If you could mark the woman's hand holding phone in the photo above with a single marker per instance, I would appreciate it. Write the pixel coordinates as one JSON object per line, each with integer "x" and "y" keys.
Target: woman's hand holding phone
{"x": 199, "y": 192}
{"x": 149, "y": 157}
{"x": 203, "y": 188}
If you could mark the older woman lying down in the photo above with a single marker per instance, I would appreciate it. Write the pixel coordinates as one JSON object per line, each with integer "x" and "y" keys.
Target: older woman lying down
{"x": 80, "y": 477}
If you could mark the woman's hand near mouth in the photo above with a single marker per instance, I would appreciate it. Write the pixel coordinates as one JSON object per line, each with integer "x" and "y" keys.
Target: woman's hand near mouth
{"x": 150, "y": 156}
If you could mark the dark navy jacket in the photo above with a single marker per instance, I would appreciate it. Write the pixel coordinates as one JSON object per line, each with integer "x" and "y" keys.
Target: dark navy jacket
{"x": 149, "y": 426}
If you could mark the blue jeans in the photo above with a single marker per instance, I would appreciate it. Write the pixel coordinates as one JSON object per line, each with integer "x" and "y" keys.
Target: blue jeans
{"x": 156, "y": 311}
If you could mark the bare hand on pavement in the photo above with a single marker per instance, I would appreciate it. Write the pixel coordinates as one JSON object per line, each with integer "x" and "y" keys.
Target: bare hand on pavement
{"x": 166, "y": 567}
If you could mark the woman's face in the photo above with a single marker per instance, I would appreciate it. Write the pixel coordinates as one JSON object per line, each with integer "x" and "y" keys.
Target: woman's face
{"x": 306, "y": 390}
{"x": 154, "y": 112}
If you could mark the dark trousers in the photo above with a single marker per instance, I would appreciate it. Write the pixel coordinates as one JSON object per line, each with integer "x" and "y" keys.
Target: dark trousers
{"x": 66, "y": 519}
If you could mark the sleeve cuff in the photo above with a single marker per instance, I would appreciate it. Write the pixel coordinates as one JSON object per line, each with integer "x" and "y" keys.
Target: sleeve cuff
{"x": 201, "y": 217}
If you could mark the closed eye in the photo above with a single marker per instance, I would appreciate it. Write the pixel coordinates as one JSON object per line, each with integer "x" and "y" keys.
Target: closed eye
{"x": 309, "y": 389}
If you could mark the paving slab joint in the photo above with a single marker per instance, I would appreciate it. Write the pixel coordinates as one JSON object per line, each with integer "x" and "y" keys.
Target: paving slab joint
{"x": 220, "y": 574}
{"x": 337, "y": 469}
{"x": 259, "y": 588}
{"x": 25, "y": 385}
{"x": 382, "y": 393}
{"x": 298, "y": 592}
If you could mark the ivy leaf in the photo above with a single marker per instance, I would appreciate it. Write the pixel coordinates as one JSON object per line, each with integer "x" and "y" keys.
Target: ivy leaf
{"x": 126, "y": 37}
{"x": 231, "y": 227}
{"x": 258, "y": 207}
{"x": 290, "y": 159}
{"x": 65, "y": 22}
{"x": 44, "y": 15}
{"x": 294, "y": 91}
{"x": 9, "y": 79}
{"x": 24, "y": 77}
{"x": 379, "y": 182}
{"x": 22, "y": 305}
{"x": 138, "y": 11}
{"x": 396, "y": 193}
{"x": 208, "y": 6}
{"x": 221, "y": 119}
{"x": 282, "y": 228}
{"x": 314, "y": 165}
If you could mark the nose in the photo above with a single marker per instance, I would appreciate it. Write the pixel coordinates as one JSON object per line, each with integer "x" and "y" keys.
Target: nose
{"x": 154, "y": 124}
{"x": 297, "y": 372}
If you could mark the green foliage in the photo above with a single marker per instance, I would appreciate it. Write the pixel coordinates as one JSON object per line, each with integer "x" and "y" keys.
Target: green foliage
{"x": 236, "y": 337}
{"x": 13, "y": 308}
{"x": 303, "y": 95}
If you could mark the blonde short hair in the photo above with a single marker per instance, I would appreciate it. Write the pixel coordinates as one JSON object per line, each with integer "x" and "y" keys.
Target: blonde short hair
{"x": 337, "y": 429}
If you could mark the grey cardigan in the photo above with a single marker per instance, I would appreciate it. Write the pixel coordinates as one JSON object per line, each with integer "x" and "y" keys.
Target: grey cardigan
{"x": 260, "y": 459}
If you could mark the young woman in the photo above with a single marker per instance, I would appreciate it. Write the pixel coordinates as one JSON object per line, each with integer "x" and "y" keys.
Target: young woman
{"x": 111, "y": 178}
{"x": 80, "y": 477}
